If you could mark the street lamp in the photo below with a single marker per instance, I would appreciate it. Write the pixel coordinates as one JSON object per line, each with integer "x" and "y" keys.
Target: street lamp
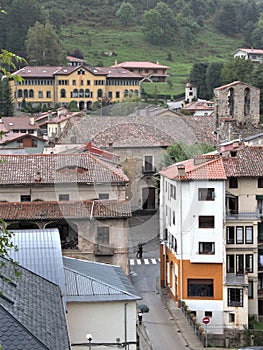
{"x": 89, "y": 338}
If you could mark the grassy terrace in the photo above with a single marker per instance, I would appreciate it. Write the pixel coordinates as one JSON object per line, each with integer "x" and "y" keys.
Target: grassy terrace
{"x": 129, "y": 45}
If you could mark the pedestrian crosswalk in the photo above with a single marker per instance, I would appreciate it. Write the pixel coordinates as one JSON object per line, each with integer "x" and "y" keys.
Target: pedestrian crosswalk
{"x": 145, "y": 261}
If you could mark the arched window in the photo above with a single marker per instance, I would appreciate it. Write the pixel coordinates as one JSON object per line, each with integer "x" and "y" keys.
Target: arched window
{"x": 99, "y": 93}
{"x": 62, "y": 93}
{"x": 25, "y": 93}
{"x": 136, "y": 92}
{"x": 247, "y": 102}
{"x": 231, "y": 102}
{"x": 20, "y": 93}
{"x": 130, "y": 93}
{"x": 81, "y": 93}
{"x": 87, "y": 93}
{"x": 126, "y": 93}
{"x": 31, "y": 93}
{"x": 75, "y": 93}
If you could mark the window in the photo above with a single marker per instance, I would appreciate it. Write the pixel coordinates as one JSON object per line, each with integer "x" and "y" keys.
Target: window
{"x": 200, "y": 287}
{"x": 240, "y": 234}
{"x": 249, "y": 262}
{"x": 148, "y": 163}
{"x": 62, "y": 93}
{"x": 230, "y": 234}
{"x": 260, "y": 182}
{"x": 103, "y": 196}
{"x": 206, "y": 194}
{"x": 172, "y": 191}
{"x": 117, "y": 94}
{"x": 209, "y": 314}
{"x": 63, "y": 197}
{"x": 240, "y": 264}
{"x": 206, "y": 221}
{"x": 99, "y": 93}
{"x": 235, "y": 297}
{"x": 25, "y": 198}
{"x": 250, "y": 290}
{"x": 40, "y": 94}
{"x": 231, "y": 317}
{"x": 34, "y": 143}
{"x": 74, "y": 82}
{"x": 230, "y": 263}
{"x": 249, "y": 234}
{"x": 173, "y": 217}
{"x": 233, "y": 183}
{"x": 103, "y": 234}
{"x": 206, "y": 248}
{"x": 110, "y": 94}
{"x": 88, "y": 82}
{"x": 48, "y": 94}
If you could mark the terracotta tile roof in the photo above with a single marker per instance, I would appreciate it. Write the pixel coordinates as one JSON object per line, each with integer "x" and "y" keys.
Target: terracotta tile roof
{"x": 248, "y": 162}
{"x": 208, "y": 170}
{"x": 200, "y": 105}
{"x": 118, "y": 72}
{"x": 58, "y": 168}
{"x": 152, "y": 121}
{"x": 140, "y": 65}
{"x": 134, "y": 135}
{"x": 21, "y": 123}
{"x": 37, "y": 71}
{"x": 252, "y": 51}
{"x": 75, "y": 59}
{"x": 9, "y": 137}
{"x": 65, "y": 210}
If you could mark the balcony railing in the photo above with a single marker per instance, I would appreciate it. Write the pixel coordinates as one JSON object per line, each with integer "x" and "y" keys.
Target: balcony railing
{"x": 103, "y": 249}
{"x": 148, "y": 169}
{"x": 239, "y": 215}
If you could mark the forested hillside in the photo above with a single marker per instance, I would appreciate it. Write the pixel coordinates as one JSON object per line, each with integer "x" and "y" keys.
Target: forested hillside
{"x": 177, "y": 33}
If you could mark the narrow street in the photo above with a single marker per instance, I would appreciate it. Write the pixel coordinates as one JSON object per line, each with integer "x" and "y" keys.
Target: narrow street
{"x": 144, "y": 273}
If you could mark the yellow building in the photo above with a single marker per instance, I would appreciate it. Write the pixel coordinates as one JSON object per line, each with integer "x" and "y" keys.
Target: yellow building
{"x": 45, "y": 85}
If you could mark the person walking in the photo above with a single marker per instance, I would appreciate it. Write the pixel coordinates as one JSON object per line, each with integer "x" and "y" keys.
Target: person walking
{"x": 139, "y": 251}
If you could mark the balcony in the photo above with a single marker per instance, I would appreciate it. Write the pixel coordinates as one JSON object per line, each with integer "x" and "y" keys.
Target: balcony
{"x": 239, "y": 215}
{"x": 149, "y": 169}
{"x": 103, "y": 250}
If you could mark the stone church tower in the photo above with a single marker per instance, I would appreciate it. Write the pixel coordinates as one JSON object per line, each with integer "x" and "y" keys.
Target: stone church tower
{"x": 238, "y": 101}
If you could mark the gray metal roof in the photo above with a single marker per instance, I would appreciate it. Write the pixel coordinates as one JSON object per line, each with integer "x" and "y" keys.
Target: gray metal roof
{"x": 88, "y": 281}
{"x": 40, "y": 252}
{"x": 34, "y": 305}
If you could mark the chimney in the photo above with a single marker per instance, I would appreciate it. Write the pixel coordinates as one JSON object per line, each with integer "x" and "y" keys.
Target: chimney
{"x": 181, "y": 170}
{"x": 32, "y": 121}
{"x": 110, "y": 147}
{"x": 49, "y": 115}
{"x": 38, "y": 177}
{"x": 115, "y": 63}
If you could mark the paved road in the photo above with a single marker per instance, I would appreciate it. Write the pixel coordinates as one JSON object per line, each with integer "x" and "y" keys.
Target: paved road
{"x": 144, "y": 273}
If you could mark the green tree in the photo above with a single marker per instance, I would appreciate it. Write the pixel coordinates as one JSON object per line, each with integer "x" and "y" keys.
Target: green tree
{"x": 257, "y": 81}
{"x": 256, "y": 37}
{"x": 226, "y": 18}
{"x": 213, "y": 77}
{"x": 159, "y": 24}
{"x": 181, "y": 151}
{"x": 198, "y": 78}
{"x": 44, "y": 45}
{"x": 237, "y": 69}
{"x": 126, "y": 13}
{"x": 6, "y": 99}
{"x": 20, "y": 16}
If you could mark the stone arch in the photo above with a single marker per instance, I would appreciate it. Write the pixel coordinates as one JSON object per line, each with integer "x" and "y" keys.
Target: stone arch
{"x": 68, "y": 232}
